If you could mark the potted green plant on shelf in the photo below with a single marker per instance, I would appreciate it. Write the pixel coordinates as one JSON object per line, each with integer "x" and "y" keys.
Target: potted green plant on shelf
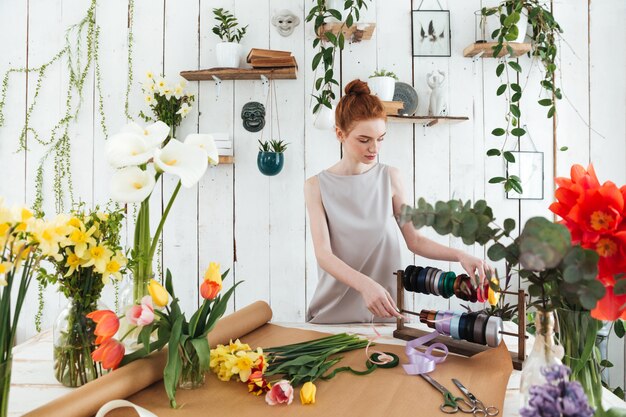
{"x": 229, "y": 50}
{"x": 271, "y": 158}
{"x": 327, "y": 43}
{"x": 545, "y": 32}
{"x": 382, "y": 84}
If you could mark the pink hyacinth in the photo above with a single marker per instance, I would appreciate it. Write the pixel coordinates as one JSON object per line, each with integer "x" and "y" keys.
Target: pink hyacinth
{"x": 281, "y": 393}
{"x": 143, "y": 314}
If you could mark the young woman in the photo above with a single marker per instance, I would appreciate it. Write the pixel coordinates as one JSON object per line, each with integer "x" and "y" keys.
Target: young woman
{"x": 351, "y": 208}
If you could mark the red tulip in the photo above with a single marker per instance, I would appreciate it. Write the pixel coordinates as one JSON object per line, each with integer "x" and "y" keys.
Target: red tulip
{"x": 210, "y": 289}
{"x": 110, "y": 353}
{"x": 610, "y": 307}
{"x": 107, "y": 324}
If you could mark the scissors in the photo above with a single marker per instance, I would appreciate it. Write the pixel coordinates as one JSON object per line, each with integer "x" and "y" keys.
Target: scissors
{"x": 479, "y": 408}
{"x": 451, "y": 404}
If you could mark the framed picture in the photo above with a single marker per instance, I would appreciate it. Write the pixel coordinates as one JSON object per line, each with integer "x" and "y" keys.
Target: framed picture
{"x": 431, "y": 32}
{"x": 528, "y": 166}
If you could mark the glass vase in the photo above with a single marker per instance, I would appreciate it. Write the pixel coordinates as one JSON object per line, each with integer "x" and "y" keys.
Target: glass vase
{"x": 73, "y": 343}
{"x": 577, "y": 334}
{"x": 191, "y": 374}
{"x": 545, "y": 352}
{"x": 5, "y": 385}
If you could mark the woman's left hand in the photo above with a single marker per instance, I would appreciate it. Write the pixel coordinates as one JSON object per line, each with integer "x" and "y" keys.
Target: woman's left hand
{"x": 475, "y": 266}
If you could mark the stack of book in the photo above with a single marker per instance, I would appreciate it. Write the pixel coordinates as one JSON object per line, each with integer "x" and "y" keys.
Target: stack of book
{"x": 223, "y": 143}
{"x": 267, "y": 58}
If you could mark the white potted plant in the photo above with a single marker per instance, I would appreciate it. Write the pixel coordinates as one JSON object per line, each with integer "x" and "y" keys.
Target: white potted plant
{"x": 382, "y": 84}
{"x": 228, "y": 51}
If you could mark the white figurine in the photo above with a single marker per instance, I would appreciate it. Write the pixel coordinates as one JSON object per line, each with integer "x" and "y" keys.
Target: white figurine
{"x": 438, "y": 103}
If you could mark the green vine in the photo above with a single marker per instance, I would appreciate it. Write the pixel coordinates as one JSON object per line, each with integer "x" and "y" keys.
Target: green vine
{"x": 545, "y": 33}
{"x": 327, "y": 50}
{"x": 82, "y": 36}
{"x": 129, "y": 81}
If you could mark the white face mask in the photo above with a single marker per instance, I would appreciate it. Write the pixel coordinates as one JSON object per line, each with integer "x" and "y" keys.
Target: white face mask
{"x": 285, "y": 22}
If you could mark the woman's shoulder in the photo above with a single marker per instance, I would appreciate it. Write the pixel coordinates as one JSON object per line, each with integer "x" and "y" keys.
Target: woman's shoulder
{"x": 311, "y": 187}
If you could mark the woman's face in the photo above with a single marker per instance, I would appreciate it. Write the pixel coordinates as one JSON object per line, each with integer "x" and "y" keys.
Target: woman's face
{"x": 363, "y": 142}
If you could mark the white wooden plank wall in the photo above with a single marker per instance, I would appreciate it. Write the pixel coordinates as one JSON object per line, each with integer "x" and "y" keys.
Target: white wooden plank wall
{"x": 257, "y": 225}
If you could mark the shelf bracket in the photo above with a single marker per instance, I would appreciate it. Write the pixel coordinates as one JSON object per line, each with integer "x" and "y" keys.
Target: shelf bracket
{"x": 266, "y": 85}
{"x": 477, "y": 56}
{"x": 218, "y": 86}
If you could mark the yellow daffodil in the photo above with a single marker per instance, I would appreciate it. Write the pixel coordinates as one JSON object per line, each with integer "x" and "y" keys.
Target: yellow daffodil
{"x": 236, "y": 345}
{"x": 181, "y": 160}
{"x": 80, "y": 239}
{"x": 150, "y": 76}
{"x": 75, "y": 222}
{"x": 149, "y": 99}
{"x": 184, "y": 110}
{"x": 48, "y": 238}
{"x": 72, "y": 262}
{"x": 102, "y": 216}
{"x": 179, "y": 91}
{"x": 307, "y": 393}
{"x": 206, "y": 143}
{"x": 5, "y": 268}
{"x": 113, "y": 267}
{"x": 132, "y": 184}
{"x": 159, "y": 295}
{"x": 98, "y": 256}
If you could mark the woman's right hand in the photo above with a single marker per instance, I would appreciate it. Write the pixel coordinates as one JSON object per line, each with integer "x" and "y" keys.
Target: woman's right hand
{"x": 378, "y": 300}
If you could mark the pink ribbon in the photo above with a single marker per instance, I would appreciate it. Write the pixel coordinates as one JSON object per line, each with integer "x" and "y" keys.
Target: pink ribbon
{"x": 423, "y": 362}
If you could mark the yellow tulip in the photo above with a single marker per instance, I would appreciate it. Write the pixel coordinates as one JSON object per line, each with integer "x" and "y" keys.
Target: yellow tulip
{"x": 213, "y": 273}
{"x": 159, "y": 295}
{"x": 307, "y": 393}
{"x": 494, "y": 296}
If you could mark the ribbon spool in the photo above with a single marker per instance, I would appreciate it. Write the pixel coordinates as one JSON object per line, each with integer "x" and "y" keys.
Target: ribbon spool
{"x": 473, "y": 327}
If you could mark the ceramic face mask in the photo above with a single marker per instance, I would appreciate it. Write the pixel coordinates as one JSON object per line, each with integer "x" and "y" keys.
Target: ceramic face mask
{"x": 285, "y": 22}
{"x": 253, "y": 115}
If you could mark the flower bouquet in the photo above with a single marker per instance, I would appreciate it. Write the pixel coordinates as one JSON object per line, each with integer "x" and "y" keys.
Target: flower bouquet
{"x": 188, "y": 355}
{"x": 24, "y": 241}
{"x": 88, "y": 256}
{"x": 141, "y": 155}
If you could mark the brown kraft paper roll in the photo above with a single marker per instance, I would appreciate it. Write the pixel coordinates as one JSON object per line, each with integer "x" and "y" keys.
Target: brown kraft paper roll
{"x": 124, "y": 382}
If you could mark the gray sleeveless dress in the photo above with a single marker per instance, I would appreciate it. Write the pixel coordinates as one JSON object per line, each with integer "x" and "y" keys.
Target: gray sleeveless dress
{"x": 363, "y": 234}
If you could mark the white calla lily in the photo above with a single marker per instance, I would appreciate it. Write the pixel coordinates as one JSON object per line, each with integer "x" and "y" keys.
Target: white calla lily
{"x": 183, "y": 160}
{"x": 132, "y": 184}
{"x": 125, "y": 149}
{"x": 153, "y": 134}
{"x": 206, "y": 142}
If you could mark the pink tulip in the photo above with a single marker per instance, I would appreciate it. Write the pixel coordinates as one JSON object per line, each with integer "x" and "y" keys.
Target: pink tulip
{"x": 143, "y": 314}
{"x": 281, "y": 393}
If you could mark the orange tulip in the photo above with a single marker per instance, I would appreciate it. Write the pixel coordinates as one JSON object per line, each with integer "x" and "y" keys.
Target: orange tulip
{"x": 110, "y": 353}
{"x": 210, "y": 289}
{"x": 107, "y": 324}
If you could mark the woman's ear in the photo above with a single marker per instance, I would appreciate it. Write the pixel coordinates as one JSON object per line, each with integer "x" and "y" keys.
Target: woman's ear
{"x": 339, "y": 133}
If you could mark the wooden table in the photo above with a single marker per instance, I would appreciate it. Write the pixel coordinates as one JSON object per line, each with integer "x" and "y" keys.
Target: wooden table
{"x": 33, "y": 383}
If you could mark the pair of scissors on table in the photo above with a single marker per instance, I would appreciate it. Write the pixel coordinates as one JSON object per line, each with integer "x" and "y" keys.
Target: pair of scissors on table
{"x": 452, "y": 404}
{"x": 479, "y": 408}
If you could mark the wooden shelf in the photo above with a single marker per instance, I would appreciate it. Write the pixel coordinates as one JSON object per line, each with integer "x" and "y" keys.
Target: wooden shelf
{"x": 487, "y": 49}
{"x": 227, "y": 159}
{"x": 240, "y": 74}
{"x": 427, "y": 120}
{"x": 352, "y": 33}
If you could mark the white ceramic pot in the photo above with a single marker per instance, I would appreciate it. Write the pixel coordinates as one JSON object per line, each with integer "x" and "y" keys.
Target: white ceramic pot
{"x": 383, "y": 87}
{"x": 228, "y": 54}
{"x": 324, "y": 119}
{"x": 493, "y": 23}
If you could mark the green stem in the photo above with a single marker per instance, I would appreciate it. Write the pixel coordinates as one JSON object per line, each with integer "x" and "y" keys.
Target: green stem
{"x": 155, "y": 240}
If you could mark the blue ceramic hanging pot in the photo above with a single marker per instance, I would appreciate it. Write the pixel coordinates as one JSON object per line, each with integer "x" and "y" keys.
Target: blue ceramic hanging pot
{"x": 270, "y": 163}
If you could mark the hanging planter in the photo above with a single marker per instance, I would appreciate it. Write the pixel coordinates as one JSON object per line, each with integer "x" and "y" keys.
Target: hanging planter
{"x": 271, "y": 158}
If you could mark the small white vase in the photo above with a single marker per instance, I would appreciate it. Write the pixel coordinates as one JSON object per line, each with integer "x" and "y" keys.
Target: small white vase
{"x": 228, "y": 54}
{"x": 324, "y": 118}
{"x": 383, "y": 87}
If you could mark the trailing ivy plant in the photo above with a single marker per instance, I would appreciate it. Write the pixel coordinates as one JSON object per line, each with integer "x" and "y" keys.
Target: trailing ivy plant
{"x": 546, "y": 30}
{"x": 327, "y": 44}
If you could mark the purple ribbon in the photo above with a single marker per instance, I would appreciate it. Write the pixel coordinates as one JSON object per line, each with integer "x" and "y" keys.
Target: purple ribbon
{"x": 423, "y": 362}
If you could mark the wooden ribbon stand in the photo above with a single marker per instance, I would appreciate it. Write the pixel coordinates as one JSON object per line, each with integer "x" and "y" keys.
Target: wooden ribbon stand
{"x": 463, "y": 347}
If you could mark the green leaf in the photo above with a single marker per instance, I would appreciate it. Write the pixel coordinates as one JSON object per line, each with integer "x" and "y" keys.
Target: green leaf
{"x": 619, "y": 328}
{"x": 331, "y": 38}
{"x": 509, "y": 225}
{"x": 511, "y": 19}
{"x": 499, "y": 69}
{"x": 496, "y": 252}
{"x": 316, "y": 60}
{"x": 515, "y": 110}
{"x": 219, "y": 307}
{"x": 501, "y": 90}
{"x": 341, "y": 41}
{"x": 534, "y": 290}
{"x": 512, "y": 33}
{"x": 516, "y": 97}
{"x": 172, "y": 370}
{"x": 349, "y": 20}
{"x": 498, "y": 131}
{"x": 497, "y": 49}
{"x": 563, "y": 148}
{"x": 551, "y": 111}
{"x": 493, "y": 152}
{"x": 515, "y": 66}
{"x": 606, "y": 363}
{"x": 545, "y": 102}
{"x": 496, "y": 180}
{"x": 335, "y": 13}
{"x": 516, "y": 87}
{"x": 620, "y": 287}
{"x": 509, "y": 156}
{"x": 201, "y": 345}
{"x": 571, "y": 274}
{"x": 518, "y": 131}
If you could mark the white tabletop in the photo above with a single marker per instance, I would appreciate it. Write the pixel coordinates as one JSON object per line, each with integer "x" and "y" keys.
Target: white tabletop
{"x": 33, "y": 383}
